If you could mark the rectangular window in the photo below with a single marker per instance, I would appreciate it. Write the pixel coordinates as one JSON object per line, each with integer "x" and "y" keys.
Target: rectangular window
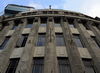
{"x": 41, "y": 40}
{"x": 60, "y": 40}
{"x": 78, "y": 41}
{"x": 15, "y": 27}
{"x": 28, "y": 26}
{"x": 95, "y": 41}
{"x": 22, "y": 40}
{"x": 88, "y": 66}
{"x": 12, "y": 66}
{"x": 57, "y": 25}
{"x": 71, "y": 25}
{"x": 4, "y": 43}
{"x": 38, "y": 66}
{"x": 63, "y": 65}
{"x": 43, "y": 25}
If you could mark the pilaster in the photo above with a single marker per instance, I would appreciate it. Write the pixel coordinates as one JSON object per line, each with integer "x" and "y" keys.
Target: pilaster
{"x": 74, "y": 57}
{"x": 50, "y": 59}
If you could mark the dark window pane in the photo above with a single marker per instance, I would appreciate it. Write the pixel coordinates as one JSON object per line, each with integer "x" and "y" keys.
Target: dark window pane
{"x": 57, "y": 25}
{"x": 37, "y": 66}
{"x": 88, "y": 66}
{"x": 41, "y": 40}
{"x": 15, "y": 27}
{"x": 78, "y": 41}
{"x": 29, "y": 26}
{"x": 89, "y": 69}
{"x": 63, "y": 66}
{"x": 71, "y": 25}
{"x": 60, "y": 40}
{"x": 22, "y": 41}
{"x": 12, "y": 66}
{"x": 96, "y": 43}
{"x": 43, "y": 25}
{"x": 4, "y": 43}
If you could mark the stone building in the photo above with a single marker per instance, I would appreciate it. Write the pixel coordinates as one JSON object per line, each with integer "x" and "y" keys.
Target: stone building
{"x": 49, "y": 41}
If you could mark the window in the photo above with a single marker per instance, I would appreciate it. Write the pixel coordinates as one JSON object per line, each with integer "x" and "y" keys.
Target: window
{"x": 78, "y": 41}
{"x": 57, "y": 25}
{"x": 60, "y": 40}
{"x": 85, "y": 26}
{"x": 71, "y": 25}
{"x": 29, "y": 26}
{"x": 12, "y": 66}
{"x": 15, "y": 27}
{"x": 41, "y": 40}
{"x": 43, "y": 25}
{"x": 4, "y": 43}
{"x": 38, "y": 66}
{"x": 63, "y": 65}
{"x": 88, "y": 66}
{"x": 22, "y": 41}
{"x": 95, "y": 41}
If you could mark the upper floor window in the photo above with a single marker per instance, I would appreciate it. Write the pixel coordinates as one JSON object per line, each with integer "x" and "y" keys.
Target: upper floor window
{"x": 64, "y": 66}
{"x": 22, "y": 40}
{"x": 95, "y": 41}
{"x": 57, "y": 25}
{"x": 88, "y": 66}
{"x": 12, "y": 66}
{"x": 28, "y": 26}
{"x": 38, "y": 65}
{"x": 15, "y": 27}
{"x": 4, "y": 43}
{"x": 43, "y": 25}
{"x": 71, "y": 26}
{"x": 60, "y": 40}
{"x": 78, "y": 41}
{"x": 41, "y": 40}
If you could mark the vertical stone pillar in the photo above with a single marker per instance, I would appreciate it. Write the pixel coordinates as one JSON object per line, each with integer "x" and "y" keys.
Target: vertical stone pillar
{"x": 90, "y": 45}
{"x": 4, "y": 31}
{"x": 74, "y": 57}
{"x": 50, "y": 59}
{"x": 95, "y": 30}
{"x": 5, "y": 54}
{"x": 26, "y": 59}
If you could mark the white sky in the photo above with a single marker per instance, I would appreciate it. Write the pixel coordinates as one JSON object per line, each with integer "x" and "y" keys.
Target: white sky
{"x": 88, "y": 7}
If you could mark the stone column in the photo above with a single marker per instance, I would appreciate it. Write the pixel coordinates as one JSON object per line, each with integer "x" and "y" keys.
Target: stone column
{"x": 5, "y": 30}
{"x": 74, "y": 57}
{"x": 5, "y": 54}
{"x": 95, "y": 30}
{"x": 26, "y": 59}
{"x": 89, "y": 43}
{"x": 50, "y": 59}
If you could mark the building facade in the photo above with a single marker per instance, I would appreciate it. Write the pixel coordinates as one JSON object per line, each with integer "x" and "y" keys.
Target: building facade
{"x": 49, "y": 41}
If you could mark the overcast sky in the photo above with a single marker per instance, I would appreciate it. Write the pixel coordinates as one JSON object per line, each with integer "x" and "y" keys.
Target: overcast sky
{"x": 88, "y": 7}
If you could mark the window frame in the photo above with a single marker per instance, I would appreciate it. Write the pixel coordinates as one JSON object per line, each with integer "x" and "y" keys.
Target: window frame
{"x": 61, "y": 39}
{"x": 88, "y": 64}
{"x": 43, "y": 42}
{"x": 13, "y": 65}
{"x": 80, "y": 39}
{"x": 64, "y": 62}
{"x": 4, "y": 42}
{"x": 36, "y": 64}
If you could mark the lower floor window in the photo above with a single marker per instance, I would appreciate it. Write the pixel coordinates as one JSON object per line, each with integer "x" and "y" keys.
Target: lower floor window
{"x": 88, "y": 66}
{"x": 12, "y": 66}
{"x": 38, "y": 65}
{"x": 64, "y": 66}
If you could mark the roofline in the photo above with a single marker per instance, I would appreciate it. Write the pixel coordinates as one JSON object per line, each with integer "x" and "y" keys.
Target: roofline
{"x": 19, "y": 6}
